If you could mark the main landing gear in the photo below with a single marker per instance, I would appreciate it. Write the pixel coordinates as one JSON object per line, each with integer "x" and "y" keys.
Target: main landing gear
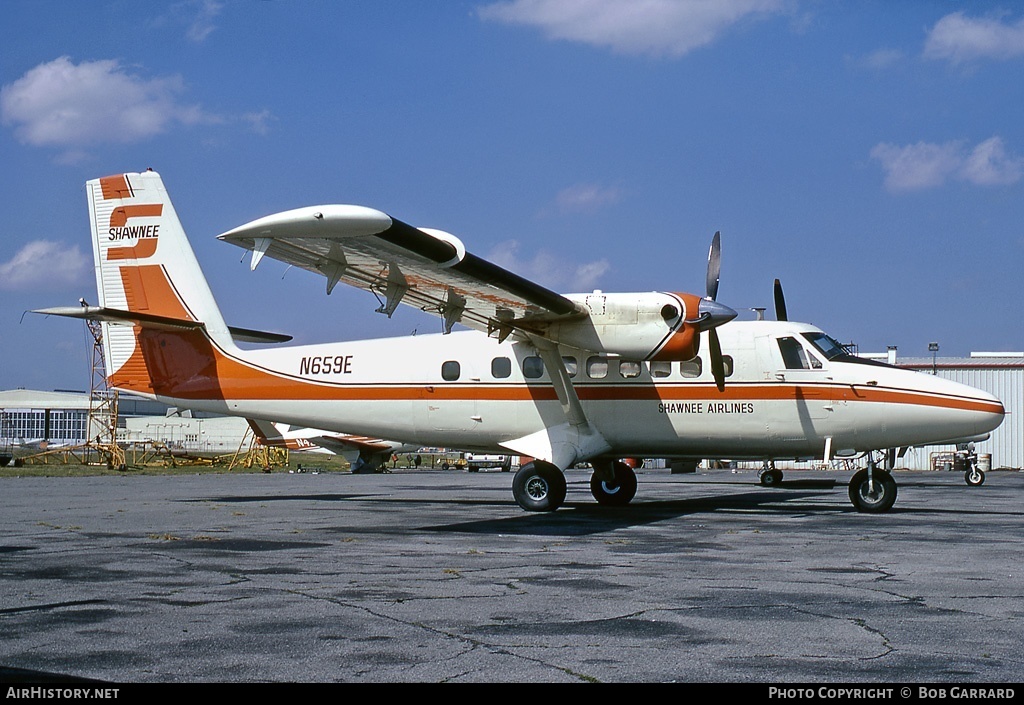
{"x": 540, "y": 486}
{"x": 617, "y": 492}
{"x": 872, "y": 489}
{"x": 769, "y": 475}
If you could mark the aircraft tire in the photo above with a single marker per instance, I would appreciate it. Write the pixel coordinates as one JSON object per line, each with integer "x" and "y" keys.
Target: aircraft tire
{"x": 616, "y": 494}
{"x": 771, "y": 478}
{"x": 974, "y": 477}
{"x": 883, "y": 497}
{"x": 539, "y": 486}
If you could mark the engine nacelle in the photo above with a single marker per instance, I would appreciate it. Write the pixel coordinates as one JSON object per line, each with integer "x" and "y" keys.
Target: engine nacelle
{"x": 648, "y": 326}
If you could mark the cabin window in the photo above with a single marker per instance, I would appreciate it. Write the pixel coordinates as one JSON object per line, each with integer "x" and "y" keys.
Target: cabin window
{"x": 450, "y": 370}
{"x": 690, "y": 368}
{"x": 571, "y": 366}
{"x": 533, "y": 367}
{"x": 501, "y": 367}
{"x": 727, "y": 365}
{"x": 661, "y": 368}
{"x": 629, "y": 369}
{"x": 597, "y": 367}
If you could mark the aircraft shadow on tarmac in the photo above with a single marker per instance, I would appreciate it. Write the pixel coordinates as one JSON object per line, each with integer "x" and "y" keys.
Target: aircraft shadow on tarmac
{"x": 577, "y": 518}
{"x": 583, "y": 518}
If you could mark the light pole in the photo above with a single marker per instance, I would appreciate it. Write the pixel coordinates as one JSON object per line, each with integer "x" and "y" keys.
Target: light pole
{"x": 934, "y": 348}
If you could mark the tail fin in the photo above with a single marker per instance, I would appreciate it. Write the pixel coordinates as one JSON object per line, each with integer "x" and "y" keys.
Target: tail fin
{"x": 146, "y": 270}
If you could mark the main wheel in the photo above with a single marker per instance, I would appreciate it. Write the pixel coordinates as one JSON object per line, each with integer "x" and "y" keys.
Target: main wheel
{"x": 539, "y": 487}
{"x": 974, "y": 477}
{"x": 617, "y": 493}
{"x": 877, "y": 496}
{"x": 771, "y": 478}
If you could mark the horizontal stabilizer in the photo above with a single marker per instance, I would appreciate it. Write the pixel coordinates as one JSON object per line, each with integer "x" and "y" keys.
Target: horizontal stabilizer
{"x": 113, "y": 315}
{"x": 148, "y": 320}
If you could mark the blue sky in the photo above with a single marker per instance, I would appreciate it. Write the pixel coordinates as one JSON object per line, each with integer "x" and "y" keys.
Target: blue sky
{"x": 869, "y": 154}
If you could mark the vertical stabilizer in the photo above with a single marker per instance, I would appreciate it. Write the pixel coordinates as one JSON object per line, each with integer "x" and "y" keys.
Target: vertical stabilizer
{"x": 144, "y": 264}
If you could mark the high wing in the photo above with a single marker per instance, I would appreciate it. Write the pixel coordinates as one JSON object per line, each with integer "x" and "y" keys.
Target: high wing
{"x": 398, "y": 263}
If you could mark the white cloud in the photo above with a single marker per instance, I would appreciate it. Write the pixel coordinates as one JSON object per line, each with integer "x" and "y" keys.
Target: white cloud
{"x": 960, "y": 38}
{"x": 989, "y": 164}
{"x": 653, "y": 27}
{"x": 549, "y": 270}
{"x": 44, "y": 264}
{"x": 586, "y": 198}
{"x": 197, "y": 17}
{"x": 925, "y": 165}
{"x": 62, "y": 104}
{"x": 202, "y": 23}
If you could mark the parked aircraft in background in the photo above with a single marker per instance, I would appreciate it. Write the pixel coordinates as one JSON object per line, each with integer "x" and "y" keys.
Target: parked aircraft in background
{"x": 563, "y": 379}
{"x": 363, "y": 453}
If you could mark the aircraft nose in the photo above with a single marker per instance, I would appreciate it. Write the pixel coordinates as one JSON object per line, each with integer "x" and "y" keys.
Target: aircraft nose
{"x": 993, "y": 412}
{"x": 713, "y": 314}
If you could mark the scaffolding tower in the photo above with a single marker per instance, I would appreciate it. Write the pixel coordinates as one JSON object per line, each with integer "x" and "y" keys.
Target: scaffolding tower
{"x": 101, "y": 426}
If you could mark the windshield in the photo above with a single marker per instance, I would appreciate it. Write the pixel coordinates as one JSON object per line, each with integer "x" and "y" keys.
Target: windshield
{"x": 836, "y": 351}
{"x": 826, "y": 346}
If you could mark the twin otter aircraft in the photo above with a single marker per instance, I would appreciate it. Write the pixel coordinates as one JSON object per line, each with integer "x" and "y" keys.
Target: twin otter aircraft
{"x": 560, "y": 378}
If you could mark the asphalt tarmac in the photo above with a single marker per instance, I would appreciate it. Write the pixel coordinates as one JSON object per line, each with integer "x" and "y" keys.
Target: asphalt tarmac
{"x": 433, "y": 576}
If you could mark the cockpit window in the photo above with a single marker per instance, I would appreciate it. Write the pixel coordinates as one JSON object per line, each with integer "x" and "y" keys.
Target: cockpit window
{"x": 795, "y": 356}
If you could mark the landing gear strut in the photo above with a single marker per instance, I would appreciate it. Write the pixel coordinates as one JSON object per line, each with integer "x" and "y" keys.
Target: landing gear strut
{"x": 965, "y": 456}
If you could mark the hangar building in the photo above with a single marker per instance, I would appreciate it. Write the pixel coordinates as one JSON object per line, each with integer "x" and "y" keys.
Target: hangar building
{"x": 999, "y": 373}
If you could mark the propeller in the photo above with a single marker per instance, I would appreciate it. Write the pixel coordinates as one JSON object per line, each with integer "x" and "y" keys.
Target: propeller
{"x": 714, "y": 346}
{"x": 714, "y": 266}
{"x": 711, "y": 314}
{"x": 780, "y": 302}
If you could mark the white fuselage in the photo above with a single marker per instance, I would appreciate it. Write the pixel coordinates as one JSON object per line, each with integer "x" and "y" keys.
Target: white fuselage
{"x": 468, "y": 391}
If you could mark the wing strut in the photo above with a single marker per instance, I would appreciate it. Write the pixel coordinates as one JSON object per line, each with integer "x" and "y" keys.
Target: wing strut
{"x": 567, "y": 443}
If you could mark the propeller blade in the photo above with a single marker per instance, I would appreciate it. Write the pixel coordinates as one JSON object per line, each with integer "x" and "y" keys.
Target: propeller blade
{"x": 717, "y": 364}
{"x": 714, "y": 266}
{"x": 780, "y": 303}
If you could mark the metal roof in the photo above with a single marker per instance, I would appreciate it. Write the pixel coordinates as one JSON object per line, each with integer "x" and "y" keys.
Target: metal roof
{"x": 36, "y": 399}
